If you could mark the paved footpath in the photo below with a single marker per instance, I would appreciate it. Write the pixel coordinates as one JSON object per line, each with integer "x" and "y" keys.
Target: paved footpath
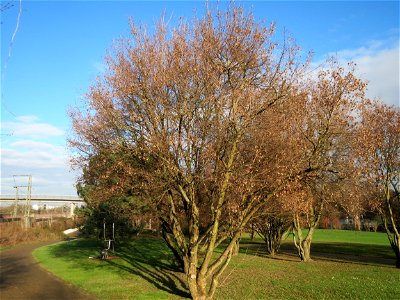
{"x": 21, "y": 278}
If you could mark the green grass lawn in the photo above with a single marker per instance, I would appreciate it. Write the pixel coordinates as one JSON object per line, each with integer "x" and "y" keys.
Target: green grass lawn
{"x": 145, "y": 269}
{"x": 348, "y": 236}
{"x": 359, "y": 245}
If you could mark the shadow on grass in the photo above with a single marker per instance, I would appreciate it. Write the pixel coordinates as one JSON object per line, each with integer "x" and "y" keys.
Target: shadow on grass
{"x": 148, "y": 258}
{"x": 339, "y": 252}
{"x": 76, "y": 250}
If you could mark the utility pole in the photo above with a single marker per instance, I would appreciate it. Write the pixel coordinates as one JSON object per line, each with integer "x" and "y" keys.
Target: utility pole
{"x": 27, "y": 206}
{"x": 16, "y": 202}
{"x": 72, "y": 210}
{"x": 28, "y": 203}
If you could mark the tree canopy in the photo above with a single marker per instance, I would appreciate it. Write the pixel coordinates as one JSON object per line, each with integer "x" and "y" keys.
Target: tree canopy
{"x": 209, "y": 122}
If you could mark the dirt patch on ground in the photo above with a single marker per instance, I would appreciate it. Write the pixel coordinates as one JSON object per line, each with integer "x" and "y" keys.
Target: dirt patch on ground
{"x": 22, "y": 278}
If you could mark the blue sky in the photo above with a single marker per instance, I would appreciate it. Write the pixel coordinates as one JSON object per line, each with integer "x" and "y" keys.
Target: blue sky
{"x": 59, "y": 47}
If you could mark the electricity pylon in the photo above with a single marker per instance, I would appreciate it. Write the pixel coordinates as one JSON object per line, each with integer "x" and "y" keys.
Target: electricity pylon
{"x": 16, "y": 202}
{"x": 27, "y": 206}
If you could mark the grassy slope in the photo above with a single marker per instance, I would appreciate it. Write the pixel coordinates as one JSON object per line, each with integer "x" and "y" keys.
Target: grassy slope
{"x": 145, "y": 270}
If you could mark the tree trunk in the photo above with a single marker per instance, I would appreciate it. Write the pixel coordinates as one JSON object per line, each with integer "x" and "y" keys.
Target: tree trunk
{"x": 305, "y": 250}
{"x": 394, "y": 243}
{"x": 357, "y": 222}
{"x": 303, "y": 245}
{"x": 394, "y": 233}
{"x": 271, "y": 229}
{"x": 197, "y": 284}
{"x": 397, "y": 248}
{"x": 394, "y": 240}
{"x": 236, "y": 248}
{"x": 273, "y": 242}
{"x": 271, "y": 251}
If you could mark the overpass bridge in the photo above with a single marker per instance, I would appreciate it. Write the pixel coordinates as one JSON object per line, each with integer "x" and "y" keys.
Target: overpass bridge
{"x": 71, "y": 201}
{"x": 44, "y": 199}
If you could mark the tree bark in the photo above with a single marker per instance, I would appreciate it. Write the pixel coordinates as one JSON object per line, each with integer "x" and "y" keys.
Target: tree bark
{"x": 357, "y": 222}
{"x": 394, "y": 239}
{"x": 303, "y": 245}
{"x": 305, "y": 253}
{"x": 236, "y": 248}
{"x": 394, "y": 234}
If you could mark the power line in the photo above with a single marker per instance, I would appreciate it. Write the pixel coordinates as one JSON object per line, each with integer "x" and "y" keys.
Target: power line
{"x": 6, "y": 108}
{"x": 13, "y": 36}
{"x": 3, "y": 8}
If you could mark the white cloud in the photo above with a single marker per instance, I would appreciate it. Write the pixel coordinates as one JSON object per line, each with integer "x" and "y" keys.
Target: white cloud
{"x": 34, "y": 145}
{"x": 370, "y": 49}
{"x": 30, "y": 129}
{"x": 37, "y": 149}
{"x": 381, "y": 69}
{"x": 27, "y": 119}
{"x": 33, "y": 159}
{"x": 51, "y": 173}
{"x": 378, "y": 64}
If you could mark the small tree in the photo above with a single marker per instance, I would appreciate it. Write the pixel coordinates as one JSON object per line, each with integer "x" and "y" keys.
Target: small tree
{"x": 350, "y": 194}
{"x": 379, "y": 160}
{"x": 323, "y": 135}
{"x": 129, "y": 214}
{"x": 272, "y": 226}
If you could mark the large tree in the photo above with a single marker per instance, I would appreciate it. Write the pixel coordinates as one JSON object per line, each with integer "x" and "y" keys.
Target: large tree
{"x": 175, "y": 113}
{"x": 379, "y": 160}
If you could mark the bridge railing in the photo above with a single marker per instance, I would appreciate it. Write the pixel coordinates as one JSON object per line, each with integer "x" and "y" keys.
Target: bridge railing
{"x": 43, "y": 198}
